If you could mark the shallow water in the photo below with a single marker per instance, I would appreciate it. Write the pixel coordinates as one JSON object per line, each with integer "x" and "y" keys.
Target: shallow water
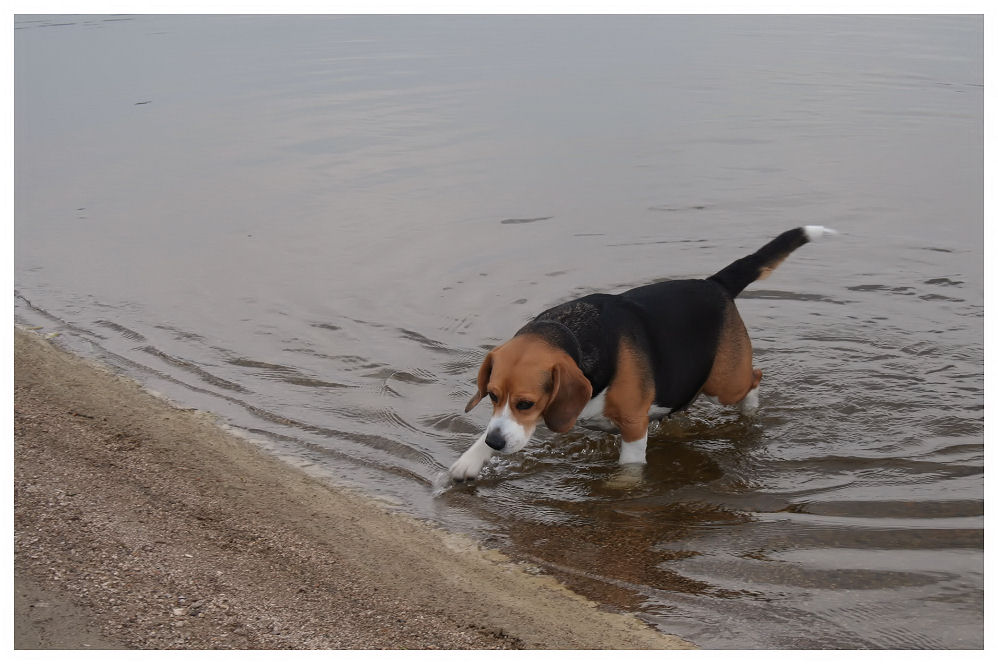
{"x": 316, "y": 226}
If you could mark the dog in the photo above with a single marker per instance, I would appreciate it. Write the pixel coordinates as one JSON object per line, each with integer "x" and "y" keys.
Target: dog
{"x": 616, "y": 362}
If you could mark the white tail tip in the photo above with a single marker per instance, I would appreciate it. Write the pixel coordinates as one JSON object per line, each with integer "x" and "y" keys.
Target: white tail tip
{"x": 815, "y": 232}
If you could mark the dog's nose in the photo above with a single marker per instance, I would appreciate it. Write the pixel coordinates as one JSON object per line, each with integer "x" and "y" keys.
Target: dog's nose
{"x": 495, "y": 440}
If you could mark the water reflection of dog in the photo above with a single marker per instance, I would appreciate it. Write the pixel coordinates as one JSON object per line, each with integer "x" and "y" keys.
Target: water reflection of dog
{"x": 617, "y": 550}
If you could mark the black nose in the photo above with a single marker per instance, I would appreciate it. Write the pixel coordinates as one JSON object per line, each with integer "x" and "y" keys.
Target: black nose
{"x": 495, "y": 440}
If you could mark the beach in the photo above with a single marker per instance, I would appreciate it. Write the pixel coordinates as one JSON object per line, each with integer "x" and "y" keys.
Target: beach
{"x": 143, "y": 526}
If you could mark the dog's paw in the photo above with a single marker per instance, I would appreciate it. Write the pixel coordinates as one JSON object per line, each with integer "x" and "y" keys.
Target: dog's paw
{"x": 749, "y": 406}
{"x": 464, "y": 469}
{"x": 470, "y": 464}
{"x": 634, "y": 452}
{"x": 441, "y": 483}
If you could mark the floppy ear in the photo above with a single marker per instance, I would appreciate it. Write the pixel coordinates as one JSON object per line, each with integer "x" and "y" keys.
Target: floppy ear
{"x": 571, "y": 392}
{"x": 483, "y": 382}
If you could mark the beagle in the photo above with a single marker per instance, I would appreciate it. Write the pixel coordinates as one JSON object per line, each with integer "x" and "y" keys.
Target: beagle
{"x": 615, "y": 362}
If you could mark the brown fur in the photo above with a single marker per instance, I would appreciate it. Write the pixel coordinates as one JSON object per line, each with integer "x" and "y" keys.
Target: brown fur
{"x": 732, "y": 376}
{"x": 767, "y": 269}
{"x": 630, "y": 395}
{"x": 527, "y": 368}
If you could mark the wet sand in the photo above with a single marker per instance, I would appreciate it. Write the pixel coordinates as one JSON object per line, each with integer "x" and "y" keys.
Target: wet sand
{"x": 140, "y": 525}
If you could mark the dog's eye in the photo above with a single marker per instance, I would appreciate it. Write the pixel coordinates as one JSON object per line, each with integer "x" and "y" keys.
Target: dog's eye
{"x": 524, "y": 405}
{"x": 492, "y": 395}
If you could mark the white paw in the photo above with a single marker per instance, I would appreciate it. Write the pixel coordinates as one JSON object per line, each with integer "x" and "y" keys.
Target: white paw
{"x": 470, "y": 464}
{"x": 633, "y": 452}
{"x": 749, "y": 406}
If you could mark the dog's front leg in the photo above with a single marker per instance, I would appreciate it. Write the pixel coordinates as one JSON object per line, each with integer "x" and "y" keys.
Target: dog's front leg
{"x": 632, "y": 464}
{"x": 633, "y": 436}
{"x": 634, "y": 451}
{"x": 470, "y": 464}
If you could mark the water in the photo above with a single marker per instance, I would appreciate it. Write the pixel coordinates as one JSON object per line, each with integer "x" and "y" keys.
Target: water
{"x": 316, "y": 226}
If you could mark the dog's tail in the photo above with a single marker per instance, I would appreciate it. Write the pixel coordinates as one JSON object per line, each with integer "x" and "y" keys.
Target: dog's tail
{"x": 759, "y": 265}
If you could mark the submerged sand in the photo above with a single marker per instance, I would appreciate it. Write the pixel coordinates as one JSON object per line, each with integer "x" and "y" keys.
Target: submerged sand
{"x": 141, "y": 525}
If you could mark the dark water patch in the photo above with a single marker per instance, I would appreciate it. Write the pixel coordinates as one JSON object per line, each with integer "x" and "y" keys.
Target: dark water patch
{"x": 461, "y": 324}
{"x": 313, "y": 382}
{"x": 131, "y": 335}
{"x": 321, "y": 454}
{"x": 949, "y": 425}
{"x": 906, "y": 509}
{"x": 529, "y": 220}
{"x": 387, "y": 390}
{"x": 399, "y": 425}
{"x": 963, "y": 452}
{"x": 929, "y": 297}
{"x": 181, "y": 335}
{"x": 414, "y": 377}
{"x": 872, "y": 288}
{"x": 922, "y": 349}
{"x": 283, "y": 373}
{"x": 761, "y": 294}
{"x": 190, "y": 367}
{"x": 310, "y": 352}
{"x": 376, "y": 442}
{"x": 676, "y": 208}
{"x": 425, "y": 342}
{"x": 761, "y": 574}
{"x": 465, "y": 362}
{"x": 451, "y": 423}
{"x": 58, "y": 323}
{"x": 368, "y": 323}
{"x": 356, "y": 363}
{"x": 943, "y": 281}
{"x": 643, "y": 243}
{"x": 840, "y": 464}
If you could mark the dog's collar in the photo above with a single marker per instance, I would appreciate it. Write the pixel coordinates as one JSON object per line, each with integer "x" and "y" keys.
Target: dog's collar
{"x": 572, "y": 345}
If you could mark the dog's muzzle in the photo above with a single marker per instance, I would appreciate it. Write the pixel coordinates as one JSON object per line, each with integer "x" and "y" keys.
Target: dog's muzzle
{"x": 495, "y": 440}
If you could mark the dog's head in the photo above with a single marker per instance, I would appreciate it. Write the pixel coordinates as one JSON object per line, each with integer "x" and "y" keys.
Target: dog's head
{"x": 527, "y": 379}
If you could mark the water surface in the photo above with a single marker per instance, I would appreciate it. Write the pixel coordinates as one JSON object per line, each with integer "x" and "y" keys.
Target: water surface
{"x": 317, "y": 226}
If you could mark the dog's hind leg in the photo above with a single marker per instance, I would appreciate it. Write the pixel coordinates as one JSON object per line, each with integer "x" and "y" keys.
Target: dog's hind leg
{"x": 732, "y": 379}
{"x": 749, "y": 405}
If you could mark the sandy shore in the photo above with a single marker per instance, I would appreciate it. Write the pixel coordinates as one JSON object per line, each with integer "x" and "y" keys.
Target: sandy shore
{"x": 140, "y": 525}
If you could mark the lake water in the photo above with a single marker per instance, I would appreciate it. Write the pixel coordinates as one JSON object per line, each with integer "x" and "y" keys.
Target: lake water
{"x": 317, "y": 226}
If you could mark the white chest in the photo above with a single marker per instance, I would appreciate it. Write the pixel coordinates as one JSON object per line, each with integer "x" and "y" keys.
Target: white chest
{"x": 592, "y": 416}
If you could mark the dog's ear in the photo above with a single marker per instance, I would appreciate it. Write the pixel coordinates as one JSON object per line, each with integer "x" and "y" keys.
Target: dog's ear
{"x": 484, "y": 372}
{"x": 571, "y": 391}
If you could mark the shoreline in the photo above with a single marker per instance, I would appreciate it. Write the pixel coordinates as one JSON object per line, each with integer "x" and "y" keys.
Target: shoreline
{"x": 143, "y": 525}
